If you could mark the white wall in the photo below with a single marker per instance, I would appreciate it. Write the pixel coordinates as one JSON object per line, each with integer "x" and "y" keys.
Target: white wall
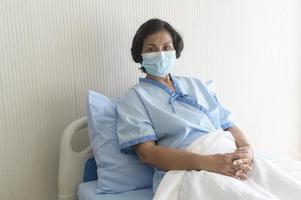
{"x": 52, "y": 52}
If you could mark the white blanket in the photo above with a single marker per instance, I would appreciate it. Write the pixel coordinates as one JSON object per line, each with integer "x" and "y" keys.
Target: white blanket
{"x": 270, "y": 179}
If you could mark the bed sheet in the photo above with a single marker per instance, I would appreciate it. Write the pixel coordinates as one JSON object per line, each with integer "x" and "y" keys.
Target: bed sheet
{"x": 86, "y": 191}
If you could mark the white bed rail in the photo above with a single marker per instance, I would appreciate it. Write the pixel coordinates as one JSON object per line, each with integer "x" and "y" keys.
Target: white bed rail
{"x": 71, "y": 163}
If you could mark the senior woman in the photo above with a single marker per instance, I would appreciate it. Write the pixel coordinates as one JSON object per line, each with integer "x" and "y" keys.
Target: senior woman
{"x": 162, "y": 114}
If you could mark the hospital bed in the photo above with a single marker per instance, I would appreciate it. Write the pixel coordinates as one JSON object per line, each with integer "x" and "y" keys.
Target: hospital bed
{"x": 77, "y": 178}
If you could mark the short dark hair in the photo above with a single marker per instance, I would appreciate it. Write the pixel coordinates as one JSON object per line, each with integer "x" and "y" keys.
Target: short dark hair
{"x": 153, "y": 26}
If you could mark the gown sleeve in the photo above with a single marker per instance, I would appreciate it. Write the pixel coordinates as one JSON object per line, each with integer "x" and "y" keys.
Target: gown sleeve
{"x": 134, "y": 125}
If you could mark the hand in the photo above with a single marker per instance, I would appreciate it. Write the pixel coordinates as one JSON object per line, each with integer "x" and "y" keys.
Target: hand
{"x": 244, "y": 164}
{"x": 223, "y": 164}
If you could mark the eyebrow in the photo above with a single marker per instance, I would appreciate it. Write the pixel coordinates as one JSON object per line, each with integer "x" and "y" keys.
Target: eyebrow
{"x": 152, "y": 44}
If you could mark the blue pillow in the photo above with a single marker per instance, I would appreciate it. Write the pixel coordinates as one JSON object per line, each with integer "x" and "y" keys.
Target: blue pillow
{"x": 116, "y": 171}
{"x": 90, "y": 170}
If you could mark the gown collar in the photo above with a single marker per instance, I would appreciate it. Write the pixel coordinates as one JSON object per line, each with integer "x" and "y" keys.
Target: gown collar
{"x": 162, "y": 86}
{"x": 173, "y": 95}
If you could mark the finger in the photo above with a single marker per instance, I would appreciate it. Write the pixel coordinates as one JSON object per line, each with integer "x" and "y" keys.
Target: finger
{"x": 242, "y": 151}
{"x": 243, "y": 148}
{"x": 245, "y": 167}
{"x": 238, "y": 155}
{"x": 237, "y": 177}
{"x": 240, "y": 161}
{"x": 241, "y": 175}
{"x": 235, "y": 168}
{"x": 248, "y": 149}
{"x": 232, "y": 175}
{"x": 232, "y": 170}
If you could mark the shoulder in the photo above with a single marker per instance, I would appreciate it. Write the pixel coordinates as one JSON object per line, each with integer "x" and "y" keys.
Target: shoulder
{"x": 129, "y": 95}
{"x": 131, "y": 98}
{"x": 193, "y": 81}
{"x": 133, "y": 91}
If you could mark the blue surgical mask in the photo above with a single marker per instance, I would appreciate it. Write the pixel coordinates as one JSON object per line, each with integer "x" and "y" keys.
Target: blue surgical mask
{"x": 159, "y": 63}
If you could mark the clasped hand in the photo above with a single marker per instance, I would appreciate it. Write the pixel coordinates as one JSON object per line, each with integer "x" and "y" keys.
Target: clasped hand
{"x": 237, "y": 164}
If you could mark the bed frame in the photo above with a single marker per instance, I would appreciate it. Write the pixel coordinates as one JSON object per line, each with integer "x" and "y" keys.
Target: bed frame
{"x": 71, "y": 163}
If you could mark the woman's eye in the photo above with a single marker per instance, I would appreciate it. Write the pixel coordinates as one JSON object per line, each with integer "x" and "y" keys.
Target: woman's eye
{"x": 167, "y": 48}
{"x": 150, "y": 49}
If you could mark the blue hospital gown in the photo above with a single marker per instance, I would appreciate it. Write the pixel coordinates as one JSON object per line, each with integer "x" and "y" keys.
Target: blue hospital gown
{"x": 150, "y": 111}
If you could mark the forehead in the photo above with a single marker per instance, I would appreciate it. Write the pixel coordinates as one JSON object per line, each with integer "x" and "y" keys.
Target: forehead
{"x": 158, "y": 37}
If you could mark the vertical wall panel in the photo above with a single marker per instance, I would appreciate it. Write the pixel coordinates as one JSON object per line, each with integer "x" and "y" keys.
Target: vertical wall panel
{"x": 53, "y": 52}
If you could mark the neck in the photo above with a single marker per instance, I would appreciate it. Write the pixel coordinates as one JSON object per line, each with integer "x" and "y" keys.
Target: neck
{"x": 165, "y": 79}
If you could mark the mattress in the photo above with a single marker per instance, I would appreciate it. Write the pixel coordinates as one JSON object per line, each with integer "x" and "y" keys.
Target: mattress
{"x": 86, "y": 191}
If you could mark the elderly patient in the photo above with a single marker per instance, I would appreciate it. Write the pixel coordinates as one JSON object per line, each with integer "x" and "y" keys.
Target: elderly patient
{"x": 163, "y": 114}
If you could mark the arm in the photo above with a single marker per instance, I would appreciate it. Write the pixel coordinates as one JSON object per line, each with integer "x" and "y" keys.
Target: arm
{"x": 166, "y": 158}
{"x": 240, "y": 138}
